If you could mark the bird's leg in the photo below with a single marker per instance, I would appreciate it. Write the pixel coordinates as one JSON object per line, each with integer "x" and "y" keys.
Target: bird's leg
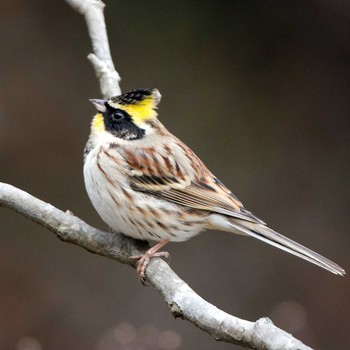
{"x": 149, "y": 254}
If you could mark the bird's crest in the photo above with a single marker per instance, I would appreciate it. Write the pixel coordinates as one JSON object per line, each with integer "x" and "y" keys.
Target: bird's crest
{"x": 140, "y": 104}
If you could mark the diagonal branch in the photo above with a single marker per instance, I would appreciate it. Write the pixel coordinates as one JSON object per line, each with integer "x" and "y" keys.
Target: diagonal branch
{"x": 181, "y": 299}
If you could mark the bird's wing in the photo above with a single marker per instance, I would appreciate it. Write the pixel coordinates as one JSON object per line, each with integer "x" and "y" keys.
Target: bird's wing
{"x": 179, "y": 176}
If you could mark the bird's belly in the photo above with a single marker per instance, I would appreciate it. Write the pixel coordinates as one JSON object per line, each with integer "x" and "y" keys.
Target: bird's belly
{"x": 140, "y": 215}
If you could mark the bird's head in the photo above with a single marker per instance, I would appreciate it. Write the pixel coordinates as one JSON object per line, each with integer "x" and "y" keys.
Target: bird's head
{"x": 126, "y": 116}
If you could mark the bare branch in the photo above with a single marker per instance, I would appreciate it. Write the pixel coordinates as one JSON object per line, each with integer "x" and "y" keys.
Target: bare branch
{"x": 182, "y": 300}
{"x": 101, "y": 59}
{"x": 68, "y": 227}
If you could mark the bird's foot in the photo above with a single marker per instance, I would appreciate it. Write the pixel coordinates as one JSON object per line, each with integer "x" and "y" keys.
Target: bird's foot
{"x": 144, "y": 259}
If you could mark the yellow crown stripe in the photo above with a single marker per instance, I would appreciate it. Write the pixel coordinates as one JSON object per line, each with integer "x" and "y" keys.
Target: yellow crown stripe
{"x": 140, "y": 112}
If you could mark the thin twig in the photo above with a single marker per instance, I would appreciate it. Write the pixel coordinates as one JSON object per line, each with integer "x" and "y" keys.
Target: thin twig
{"x": 101, "y": 58}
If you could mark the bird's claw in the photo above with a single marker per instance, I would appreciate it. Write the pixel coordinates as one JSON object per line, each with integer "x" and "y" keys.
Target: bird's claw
{"x": 144, "y": 261}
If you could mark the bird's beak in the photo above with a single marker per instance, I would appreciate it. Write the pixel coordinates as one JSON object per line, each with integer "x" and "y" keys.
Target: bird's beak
{"x": 99, "y": 104}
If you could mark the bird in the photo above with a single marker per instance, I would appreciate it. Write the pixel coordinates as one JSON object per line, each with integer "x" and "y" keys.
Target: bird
{"x": 146, "y": 183}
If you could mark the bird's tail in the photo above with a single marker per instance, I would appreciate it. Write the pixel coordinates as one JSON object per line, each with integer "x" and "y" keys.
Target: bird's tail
{"x": 265, "y": 234}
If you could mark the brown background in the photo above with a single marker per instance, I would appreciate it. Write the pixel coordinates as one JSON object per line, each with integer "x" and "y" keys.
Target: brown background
{"x": 259, "y": 89}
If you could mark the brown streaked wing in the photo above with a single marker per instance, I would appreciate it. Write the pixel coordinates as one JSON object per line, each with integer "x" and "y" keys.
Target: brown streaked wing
{"x": 165, "y": 177}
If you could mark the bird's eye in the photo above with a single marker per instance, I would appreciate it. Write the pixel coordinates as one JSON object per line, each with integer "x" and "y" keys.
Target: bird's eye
{"x": 117, "y": 115}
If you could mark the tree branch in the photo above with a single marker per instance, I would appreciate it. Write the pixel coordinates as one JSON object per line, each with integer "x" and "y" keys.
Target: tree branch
{"x": 181, "y": 299}
{"x": 101, "y": 59}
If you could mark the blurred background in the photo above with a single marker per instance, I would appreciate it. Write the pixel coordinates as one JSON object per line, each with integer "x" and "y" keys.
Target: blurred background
{"x": 259, "y": 89}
